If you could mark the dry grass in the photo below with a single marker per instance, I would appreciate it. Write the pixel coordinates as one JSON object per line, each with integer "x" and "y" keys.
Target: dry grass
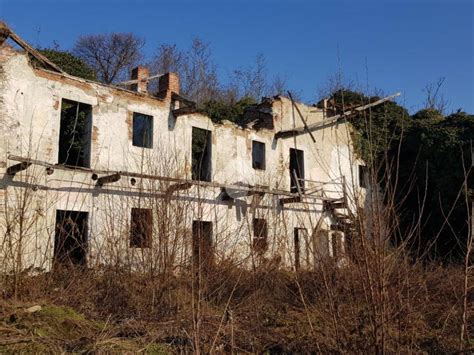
{"x": 326, "y": 310}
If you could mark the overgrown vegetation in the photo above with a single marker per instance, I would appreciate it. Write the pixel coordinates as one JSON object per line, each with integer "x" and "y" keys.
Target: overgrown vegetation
{"x": 435, "y": 156}
{"x": 219, "y": 110}
{"x": 69, "y": 63}
{"x": 269, "y": 310}
{"x": 424, "y": 159}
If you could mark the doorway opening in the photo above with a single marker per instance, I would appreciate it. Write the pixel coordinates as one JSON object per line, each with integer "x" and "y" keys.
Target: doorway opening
{"x": 70, "y": 241}
{"x": 203, "y": 251}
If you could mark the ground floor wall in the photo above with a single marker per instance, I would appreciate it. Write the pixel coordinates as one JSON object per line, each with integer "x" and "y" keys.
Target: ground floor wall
{"x": 248, "y": 231}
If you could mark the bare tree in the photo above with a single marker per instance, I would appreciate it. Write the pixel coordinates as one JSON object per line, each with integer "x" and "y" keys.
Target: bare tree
{"x": 278, "y": 86}
{"x": 200, "y": 81}
{"x": 334, "y": 82}
{"x": 168, "y": 58}
{"x": 434, "y": 98}
{"x": 111, "y": 55}
{"x": 195, "y": 66}
{"x": 252, "y": 81}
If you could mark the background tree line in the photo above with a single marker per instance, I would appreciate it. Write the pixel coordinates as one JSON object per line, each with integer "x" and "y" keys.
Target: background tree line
{"x": 428, "y": 152}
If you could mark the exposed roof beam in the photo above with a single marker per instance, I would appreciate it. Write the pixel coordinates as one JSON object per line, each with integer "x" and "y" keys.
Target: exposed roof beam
{"x": 301, "y": 116}
{"x": 330, "y": 120}
{"x": 135, "y": 81}
{"x": 7, "y": 32}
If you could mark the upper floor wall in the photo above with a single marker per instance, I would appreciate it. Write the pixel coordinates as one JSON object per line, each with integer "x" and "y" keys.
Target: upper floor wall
{"x": 30, "y": 116}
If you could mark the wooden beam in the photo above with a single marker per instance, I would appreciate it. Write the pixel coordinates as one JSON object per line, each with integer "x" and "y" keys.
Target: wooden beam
{"x": 339, "y": 227}
{"x": 301, "y": 116}
{"x": 183, "y": 111}
{"x": 245, "y": 190}
{"x": 17, "y": 39}
{"x": 285, "y": 201}
{"x": 177, "y": 187}
{"x": 188, "y": 108}
{"x": 12, "y": 170}
{"x": 108, "y": 179}
{"x": 334, "y": 204}
{"x": 185, "y": 101}
{"x": 330, "y": 120}
{"x": 135, "y": 81}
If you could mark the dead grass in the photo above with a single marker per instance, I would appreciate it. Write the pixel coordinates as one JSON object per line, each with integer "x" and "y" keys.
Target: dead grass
{"x": 114, "y": 311}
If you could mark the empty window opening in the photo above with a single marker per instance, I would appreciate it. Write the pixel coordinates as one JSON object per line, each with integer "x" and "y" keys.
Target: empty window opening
{"x": 75, "y": 134}
{"x": 70, "y": 240}
{"x": 203, "y": 253}
{"x": 296, "y": 170}
{"x": 141, "y": 228}
{"x": 260, "y": 235}
{"x": 142, "y": 130}
{"x": 258, "y": 155}
{"x": 303, "y": 249}
{"x": 363, "y": 176}
{"x": 201, "y": 154}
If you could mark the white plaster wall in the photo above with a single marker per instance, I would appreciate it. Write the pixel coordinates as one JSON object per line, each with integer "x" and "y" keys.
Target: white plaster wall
{"x": 30, "y": 127}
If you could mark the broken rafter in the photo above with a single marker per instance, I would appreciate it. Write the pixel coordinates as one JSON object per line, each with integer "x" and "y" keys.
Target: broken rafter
{"x": 301, "y": 116}
{"x": 331, "y": 120}
{"x": 6, "y": 32}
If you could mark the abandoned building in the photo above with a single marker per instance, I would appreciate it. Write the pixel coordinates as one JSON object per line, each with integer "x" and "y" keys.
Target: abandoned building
{"x": 94, "y": 174}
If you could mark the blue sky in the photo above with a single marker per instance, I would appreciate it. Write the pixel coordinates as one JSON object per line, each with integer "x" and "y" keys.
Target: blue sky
{"x": 389, "y": 45}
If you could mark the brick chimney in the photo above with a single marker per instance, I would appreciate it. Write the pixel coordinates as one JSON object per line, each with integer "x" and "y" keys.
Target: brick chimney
{"x": 167, "y": 84}
{"x": 141, "y": 74}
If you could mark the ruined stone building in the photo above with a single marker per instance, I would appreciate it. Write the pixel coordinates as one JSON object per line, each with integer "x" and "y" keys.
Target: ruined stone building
{"x": 94, "y": 174}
